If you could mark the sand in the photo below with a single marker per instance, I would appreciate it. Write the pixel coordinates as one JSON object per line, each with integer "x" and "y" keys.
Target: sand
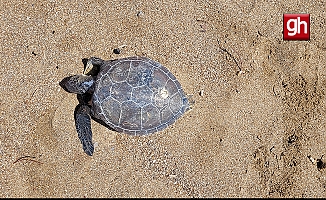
{"x": 257, "y": 128}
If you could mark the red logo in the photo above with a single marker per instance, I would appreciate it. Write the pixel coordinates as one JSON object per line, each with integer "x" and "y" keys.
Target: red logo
{"x": 296, "y": 26}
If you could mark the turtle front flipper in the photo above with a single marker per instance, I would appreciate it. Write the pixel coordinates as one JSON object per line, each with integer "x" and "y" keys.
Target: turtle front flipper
{"x": 83, "y": 127}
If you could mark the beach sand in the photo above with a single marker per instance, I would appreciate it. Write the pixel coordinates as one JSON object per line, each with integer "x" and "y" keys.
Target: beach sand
{"x": 257, "y": 128}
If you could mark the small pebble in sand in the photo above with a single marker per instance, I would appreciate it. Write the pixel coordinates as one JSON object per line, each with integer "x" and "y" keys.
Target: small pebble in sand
{"x": 140, "y": 13}
{"x": 312, "y": 160}
{"x": 240, "y": 72}
{"x": 119, "y": 49}
{"x": 95, "y": 144}
{"x": 201, "y": 93}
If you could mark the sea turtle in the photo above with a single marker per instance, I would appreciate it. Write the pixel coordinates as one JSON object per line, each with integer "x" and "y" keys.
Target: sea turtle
{"x": 133, "y": 95}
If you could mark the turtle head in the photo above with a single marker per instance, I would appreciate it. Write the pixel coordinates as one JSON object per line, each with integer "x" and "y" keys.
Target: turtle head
{"x": 78, "y": 84}
{"x": 92, "y": 66}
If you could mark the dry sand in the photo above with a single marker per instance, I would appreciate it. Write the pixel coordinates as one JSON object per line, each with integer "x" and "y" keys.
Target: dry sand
{"x": 253, "y": 134}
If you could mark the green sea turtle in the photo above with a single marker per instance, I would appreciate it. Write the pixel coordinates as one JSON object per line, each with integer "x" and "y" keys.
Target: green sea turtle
{"x": 133, "y": 95}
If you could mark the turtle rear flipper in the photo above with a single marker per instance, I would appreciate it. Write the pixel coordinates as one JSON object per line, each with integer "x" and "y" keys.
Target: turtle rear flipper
{"x": 83, "y": 127}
